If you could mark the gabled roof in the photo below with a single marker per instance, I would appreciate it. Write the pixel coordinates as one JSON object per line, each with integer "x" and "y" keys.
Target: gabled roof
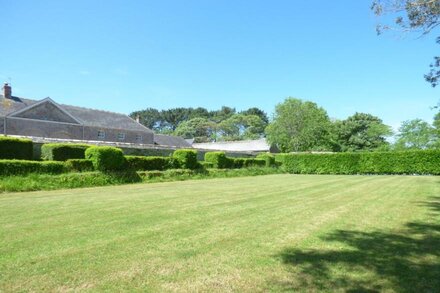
{"x": 171, "y": 141}
{"x": 66, "y": 116}
{"x": 88, "y": 117}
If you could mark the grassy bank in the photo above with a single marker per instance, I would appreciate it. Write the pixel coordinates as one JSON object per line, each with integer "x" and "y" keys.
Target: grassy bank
{"x": 266, "y": 233}
{"x": 35, "y": 182}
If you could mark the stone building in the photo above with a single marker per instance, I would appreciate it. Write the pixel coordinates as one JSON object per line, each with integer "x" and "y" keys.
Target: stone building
{"x": 45, "y": 118}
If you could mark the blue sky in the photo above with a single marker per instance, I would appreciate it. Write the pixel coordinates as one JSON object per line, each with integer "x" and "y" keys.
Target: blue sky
{"x": 129, "y": 55}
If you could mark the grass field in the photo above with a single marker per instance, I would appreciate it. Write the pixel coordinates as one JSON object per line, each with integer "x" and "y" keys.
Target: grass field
{"x": 267, "y": 233}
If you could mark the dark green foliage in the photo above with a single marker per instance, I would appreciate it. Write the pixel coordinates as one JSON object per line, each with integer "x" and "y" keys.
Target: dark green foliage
{"x": 79, "y": 165}
{"x": 63, "y": 151}
{"x": 247, "y": 162}
{"x": 218, "y": 160}
{"x": 21, "y": 167}
{"x": 361, "y": 132}
{"x": 406, "y": 162}
{"x": 187, "y": 158}
{"x": 14, "y": 148}
{"x": 139, "y": 163}
{"x": 268, "y": 158}
{"x": 106, "y": 158}
{"x": 156, "y": 152}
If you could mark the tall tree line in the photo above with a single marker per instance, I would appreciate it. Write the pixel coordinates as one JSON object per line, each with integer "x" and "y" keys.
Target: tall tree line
{"x": 203, "y": 125}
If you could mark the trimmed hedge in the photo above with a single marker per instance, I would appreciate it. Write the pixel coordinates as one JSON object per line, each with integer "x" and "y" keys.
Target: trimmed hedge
{"x": 268, "y": 158}
{"x": 79, "y": 165}
{"x": 406, "y": 162}
{"x": 22, "y": 167}
{"x": 247, "y": 162}
{"x": 218, "y": 160}
{"x": 140, "y": 163}
{"x": 15, "y": 148}
{"x": 187, "y": 159}
{"x": 106, "y": 158}
{"x": 63, "y": 151}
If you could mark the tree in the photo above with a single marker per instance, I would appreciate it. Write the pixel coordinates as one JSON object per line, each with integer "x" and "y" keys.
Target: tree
{"x": 361, "y": 132}
{"x": 240, "y": 126}
{"x": 256, "y": 111}
{"x": 413, "y": 15}
{"x": 222, "y": 114}
{"x": 201, "y": 129}
{"x": 299, "y": 126}
{"x": 415, "y": 134}
{"x": 149, "y": 117}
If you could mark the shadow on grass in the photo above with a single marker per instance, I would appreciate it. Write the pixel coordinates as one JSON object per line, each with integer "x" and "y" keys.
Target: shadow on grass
{"x": 407, "y": 261}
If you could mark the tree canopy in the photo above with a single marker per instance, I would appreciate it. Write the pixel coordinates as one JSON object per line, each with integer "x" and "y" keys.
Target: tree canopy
{"x": 361, "y": 132}
{"x": 204, "y": 125}
{"x": 299, "y": 126}
{"x": 415, "y": 134}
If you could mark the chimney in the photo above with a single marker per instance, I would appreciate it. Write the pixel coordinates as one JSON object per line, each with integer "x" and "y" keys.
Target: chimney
{"x": 138, "y": 119}
{"x": 7, "y": 91}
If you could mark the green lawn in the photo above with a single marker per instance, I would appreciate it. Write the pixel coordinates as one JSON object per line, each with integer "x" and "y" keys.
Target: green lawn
{"x": 266, "y": 233}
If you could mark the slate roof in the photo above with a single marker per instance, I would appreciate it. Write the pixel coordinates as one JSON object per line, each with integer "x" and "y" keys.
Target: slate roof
{"x": 171, "y": 141}
{"x": 8, "y": 106}
{"x": 258, "y": 145}
{"x": 89, "y": 117}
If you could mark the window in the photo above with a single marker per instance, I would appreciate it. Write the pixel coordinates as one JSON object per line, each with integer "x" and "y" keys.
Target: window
{"x": 121, "y": 136}
{"x": 138, "y": 138}
{"x": 101, "y": 134}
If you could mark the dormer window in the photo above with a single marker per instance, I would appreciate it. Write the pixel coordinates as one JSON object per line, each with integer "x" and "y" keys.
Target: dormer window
{"x": 138, "y": 138}
{"x": 101, "y": 134}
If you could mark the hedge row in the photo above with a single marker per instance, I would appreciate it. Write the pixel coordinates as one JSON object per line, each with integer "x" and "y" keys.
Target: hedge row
{"x": 187, "y": 159}
{"x": 140, "y": 163}
{"x": 21, "y": 167}
{"x": 14, "y": 148}
{"x": 63, "y": 151}
{"x": 406, "y": 162}
{"x": 106, "y": 159}
{"x": 220, "y": 161}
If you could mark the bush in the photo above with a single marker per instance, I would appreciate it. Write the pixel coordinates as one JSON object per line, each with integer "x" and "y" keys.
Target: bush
{"x": 79, "y": 165}
{"x": 206, "y": 165}
{"x": 106, "y": 158}
{"x": 63, "y": 151}
{"x": 218, "y": 160}
{"x": 139, "y": 163}
{"x": 406, "y": 162}
{"x": 187, "y": 159}
{"x": 268, "y": 158}
{"x": 21, "y": 167}
{"x": 247, "y": 162}
{"x": 14, "y": 148}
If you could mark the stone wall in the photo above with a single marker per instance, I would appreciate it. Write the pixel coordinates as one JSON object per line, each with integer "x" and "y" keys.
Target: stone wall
{"x": 50, "y": 129}
{"x": 40, "y": 128}
{"x": 91, "y": 133}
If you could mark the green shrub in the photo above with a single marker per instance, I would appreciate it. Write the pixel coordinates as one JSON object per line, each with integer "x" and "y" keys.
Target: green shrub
{"x": 218, "y": 160}
{"x": 21, "y": 167}
{"x": 140, "y": 163}
{"x": 63, "y": 151}
{"x": 406, "y": 162}
{"x": 268, "y": 158}
{"x": 106, "y": 158}
{"x": 206, "y": 165}
{"x": 15, "y": 148}
{"x": 247, "y": 162}
{"x": 79, "y": 165}
{"x": 187, "y": 159}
